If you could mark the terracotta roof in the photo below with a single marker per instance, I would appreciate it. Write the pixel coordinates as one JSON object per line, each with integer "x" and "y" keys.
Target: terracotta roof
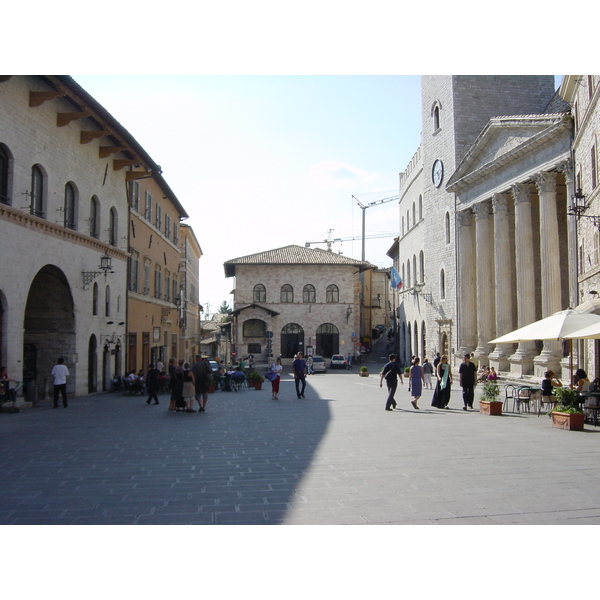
{"x": 294, "y": 255}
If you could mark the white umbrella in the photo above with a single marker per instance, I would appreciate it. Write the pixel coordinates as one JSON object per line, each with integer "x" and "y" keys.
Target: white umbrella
{"x": 561, "y": 325}
{"x": 591, "y": 332}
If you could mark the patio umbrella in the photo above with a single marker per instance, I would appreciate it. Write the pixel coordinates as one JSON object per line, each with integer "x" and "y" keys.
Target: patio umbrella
{"x": 559, "y": 326}
{"x": 591, "y": 332}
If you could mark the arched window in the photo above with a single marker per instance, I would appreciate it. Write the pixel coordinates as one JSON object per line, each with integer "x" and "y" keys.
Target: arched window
{"x": 94, "y": 217}
{"x": 415, "y": 269}
{"x": 95, "y": 299}
{"x": 309, "y": 294}
{"x": 38, "y": 191}
{"x": 442, "y": 285}
{"x": 436, "y": 118}
{"x": 414, "y": 214}
{"x": 254, "y": 328}
{"x": 70, "y": 205}
{"x": 420, "y": 207}
{"x": 107, "y": 301}
{"x": 259, "y": 293}
{"x": 447, "y": 225}
{"x": 402, "y": 225}
{"x": 332, "y": 294}
{"x": 287, "y": 293}
{"x": 113, "y": 227}
{"x": 292, "y": 340}
{"x": 416, "y": 339}
{"x": 423, "y": 339}
{"x": 421, "y": 267}
{"x": 408, "y": 274}
{"x": 5, "y": 173}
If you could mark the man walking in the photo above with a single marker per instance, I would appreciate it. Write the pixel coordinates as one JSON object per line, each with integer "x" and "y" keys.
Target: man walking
{"x": 60, "y": 374}
{"x": 202, "y": 375}
{"x": 467, "y": 373}
{"x": 300, "y": 370}
{"x": 391, "y": 372}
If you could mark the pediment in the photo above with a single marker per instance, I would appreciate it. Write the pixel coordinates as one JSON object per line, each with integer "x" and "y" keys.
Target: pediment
{"x": 505, "y": 139}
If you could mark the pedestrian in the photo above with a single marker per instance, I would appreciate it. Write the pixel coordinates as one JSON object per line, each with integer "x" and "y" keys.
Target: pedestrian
{"x": 467, "y": 375}
{"x": 309, "y": 365}
{"x": 300, "y": 371}
{"x": 152, "y": 384}
{"x": 349, "y": 362}
{"x": 416, "y": 381}
{"x": 436, "y": 362}
{"x": 60, "y": 374}
{"x": 189, "y": 387}
{"x": 391, "y": 371}
{"x": 427, "y": 373}
{"x": 202, "y": 377}
{"x": 441, "y": 395}
{"x": 274, "y": 376}
{"x": 5, "y": 382}
{"x": 178, "y": 389}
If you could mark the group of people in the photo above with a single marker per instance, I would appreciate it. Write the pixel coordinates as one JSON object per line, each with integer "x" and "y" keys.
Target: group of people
{"x": 300, "y": 369}
{"x": 187, "y": 384}
{"x": 486, "y": 374}
{"x": 420, "y": 377}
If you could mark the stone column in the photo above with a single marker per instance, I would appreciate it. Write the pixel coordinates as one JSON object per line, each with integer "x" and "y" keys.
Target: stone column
{"x": 504, "y": 265}
{"x": 550, "y": 268}
{"x": 522, "y": 360}
{"x": 486, "y": 301}
{"x": 467, "y": 291}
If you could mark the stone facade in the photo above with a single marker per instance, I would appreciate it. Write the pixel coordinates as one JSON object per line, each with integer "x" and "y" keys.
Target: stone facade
{"x": 300, "y": 299}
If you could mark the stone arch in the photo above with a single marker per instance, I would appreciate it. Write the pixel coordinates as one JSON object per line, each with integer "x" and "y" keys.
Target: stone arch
{"x": 328, "y": 340}
{"x": 92, "y": 364}
{"x": 49, "y": 327}
{"x": 292, "y": 340}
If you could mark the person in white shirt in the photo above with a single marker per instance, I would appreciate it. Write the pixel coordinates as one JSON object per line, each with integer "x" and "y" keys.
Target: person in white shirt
{"x": 60, "y": 374}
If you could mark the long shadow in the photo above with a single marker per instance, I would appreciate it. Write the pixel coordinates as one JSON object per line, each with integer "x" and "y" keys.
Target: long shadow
{"x": 110, "y": 459}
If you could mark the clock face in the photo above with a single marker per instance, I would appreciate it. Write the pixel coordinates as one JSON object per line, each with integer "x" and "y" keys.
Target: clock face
{"x": 437, "y": 173}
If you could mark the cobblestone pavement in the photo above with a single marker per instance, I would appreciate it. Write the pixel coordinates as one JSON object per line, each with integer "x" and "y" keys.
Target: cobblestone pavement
{"x": 336, "y": 457}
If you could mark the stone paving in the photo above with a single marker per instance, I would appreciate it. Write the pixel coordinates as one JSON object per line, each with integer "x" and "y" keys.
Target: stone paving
{"x": 336, "y": 457}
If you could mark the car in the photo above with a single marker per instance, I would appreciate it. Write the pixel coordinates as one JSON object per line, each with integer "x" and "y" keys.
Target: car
{"x": 338, "y": 361}
{"x": 318, "y": 364}
{"x": 214, "y": 365}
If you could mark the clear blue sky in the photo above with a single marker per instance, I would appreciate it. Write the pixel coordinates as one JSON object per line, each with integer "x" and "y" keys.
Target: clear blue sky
{"x": 260, "y": 162}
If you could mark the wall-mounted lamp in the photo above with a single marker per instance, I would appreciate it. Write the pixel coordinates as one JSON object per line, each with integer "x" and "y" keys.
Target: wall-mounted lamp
{"x": 105, "y": 267}
{"x": 417, "y": 292}
{"x": 348, "y": 313}
{"x": 578, "y": 205}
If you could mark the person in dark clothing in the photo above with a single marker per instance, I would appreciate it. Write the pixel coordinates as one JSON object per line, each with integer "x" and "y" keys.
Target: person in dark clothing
{"x": 467, "y": 373}
{"x": 152, "y": 384}
{"x": 391, "y": 372}
{"x": 300, "y": 371}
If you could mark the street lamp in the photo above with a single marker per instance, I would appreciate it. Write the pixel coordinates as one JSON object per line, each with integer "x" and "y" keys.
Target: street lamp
{"x": 105, "y": 267}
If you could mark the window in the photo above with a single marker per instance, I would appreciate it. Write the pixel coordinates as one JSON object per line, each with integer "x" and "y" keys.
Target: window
{"x": 442, "y": 285}
{"x": 148, "y": 208}
{"x": 415, "y": 268}
{"x": 287, "y": 293}
{"x": 157, "y": 282}
{"x": 436, "y": 118}
{"x": 408, "y": 274}
{"x": 5, "y": 165}
{"x": 402, "y": 225}
{"x": 420, "y": 207}
{"x": 447, "y": 224}
{"x": 593, "y": 169}
{"x": 94, "y": 217}
{"x": 113, "y": 224}
{"x": 260, "y": 293}
{"x": 134, "y": 271}
{"x": 414, "y": 214}
{"x": 95, "y": 299}
{"x": 167, "y": 285}
{"x": 146, "y": 276}
{"x": 69, "y": 207}
{"x": 175, "y": 234}
{"x": 107, "y": 301}
{"x": 135, "y": 196}
{"x": 37, "y": 191}
{"x": 158, "y": 216}
{"x": 308, "y": 294}
{"x": 254, "y": 328}
{"x": 168, "y": 226}
{"x": 421, "y": 267}
{"x": 332, "y": 294}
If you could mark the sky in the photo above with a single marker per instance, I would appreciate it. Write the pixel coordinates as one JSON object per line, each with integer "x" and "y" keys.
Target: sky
{"x": 260, "y": 162}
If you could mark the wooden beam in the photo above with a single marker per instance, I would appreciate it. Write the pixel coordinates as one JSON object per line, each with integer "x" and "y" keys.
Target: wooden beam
{"x": 38, "y": 98}
{"x": 105, "y": 151}
{"x": 63, "y": 119}
{"x": 118, "y": 164}
{"x": 88, "y": 136}
{"x": 132, "y": 175}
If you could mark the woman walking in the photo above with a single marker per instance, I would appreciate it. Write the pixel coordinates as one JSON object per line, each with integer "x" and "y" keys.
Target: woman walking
{"x": 416, "y": 381}
{"x": 189, "y": 387}
{"x": 441, "y": 396}
{"x": 274, "y": 377}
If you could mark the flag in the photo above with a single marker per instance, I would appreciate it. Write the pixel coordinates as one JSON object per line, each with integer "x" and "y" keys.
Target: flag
{"x": 396, "y": 280}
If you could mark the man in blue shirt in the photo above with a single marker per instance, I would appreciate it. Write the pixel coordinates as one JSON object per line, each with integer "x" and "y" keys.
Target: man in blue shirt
{"x": 391, "y": 372}
{"x": 300, "y": 370}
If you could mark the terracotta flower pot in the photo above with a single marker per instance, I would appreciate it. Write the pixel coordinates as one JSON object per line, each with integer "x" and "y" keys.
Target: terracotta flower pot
{"x": 572, "y": 422}
{"x": 363, "y": 373}
{"x": 490, "y": 408}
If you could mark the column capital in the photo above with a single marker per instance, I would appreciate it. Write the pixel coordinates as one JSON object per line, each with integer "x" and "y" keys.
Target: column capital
{"x": 521, "y": 192}
{"x": 545, "y": 182}
{"x": 465, "y": 218}
{"x": 500, "y": 203}
{"x": 566, "y": 167}
{"x": 482, "y": 210}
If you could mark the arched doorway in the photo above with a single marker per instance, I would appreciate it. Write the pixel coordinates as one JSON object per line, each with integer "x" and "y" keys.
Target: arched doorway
{"x": 328, "y": 340}
{"x": 444, "y": 344}
{"x": 92, "y": 365}
{"x": 292, "y": 340}
{"x": 49, "y": 329}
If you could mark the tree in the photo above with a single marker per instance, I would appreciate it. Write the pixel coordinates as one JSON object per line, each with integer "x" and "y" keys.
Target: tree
{"x": 224, "y": 308}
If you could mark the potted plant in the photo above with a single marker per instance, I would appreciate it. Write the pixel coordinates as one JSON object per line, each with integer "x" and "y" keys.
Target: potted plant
{"x": 363, "y": 372}
{"x": 255, "y": 380}
{"x": 567, "y": 414}
{"x": 489, "y": 403}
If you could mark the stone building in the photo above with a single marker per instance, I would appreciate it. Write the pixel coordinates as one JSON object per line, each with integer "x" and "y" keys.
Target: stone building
{"x": 154, "y": 287}
{"x": 296, "y": 299}
{"x": 438, "y": 307}
{"x": 582, "y": 92}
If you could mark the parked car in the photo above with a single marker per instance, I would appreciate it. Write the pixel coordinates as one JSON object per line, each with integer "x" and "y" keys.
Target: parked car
{"x": 214, "y": 365}
{"x": 338, "y": 361}
{"x": 318, "y": 364}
